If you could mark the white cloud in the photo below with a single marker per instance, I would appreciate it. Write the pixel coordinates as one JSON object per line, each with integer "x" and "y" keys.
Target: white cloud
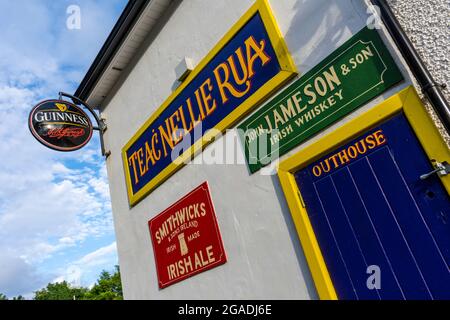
{"x": 98, "y": 256}
{"x": 59, "y": 168}
{"x": 100, "y": 184}
{"x": 49, "y": 202}
{"x": 18, "y": 276}
{"x": 104, "y": 257}
{"x": 36, "y": 44}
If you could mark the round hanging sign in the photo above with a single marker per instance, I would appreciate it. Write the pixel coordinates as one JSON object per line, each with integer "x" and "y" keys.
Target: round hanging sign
{"x": 60, "y": 125}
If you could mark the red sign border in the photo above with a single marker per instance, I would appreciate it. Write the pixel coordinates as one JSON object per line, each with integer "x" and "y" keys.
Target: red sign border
{"x": 49, "y": 145}
{"x": 223, "y": 257}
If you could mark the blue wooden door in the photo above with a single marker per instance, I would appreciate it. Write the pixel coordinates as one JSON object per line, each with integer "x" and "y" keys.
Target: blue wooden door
{"x": 368, "y": 207}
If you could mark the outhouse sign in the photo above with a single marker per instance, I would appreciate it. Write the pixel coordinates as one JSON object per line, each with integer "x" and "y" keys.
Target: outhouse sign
{"x": 358, "y": 71}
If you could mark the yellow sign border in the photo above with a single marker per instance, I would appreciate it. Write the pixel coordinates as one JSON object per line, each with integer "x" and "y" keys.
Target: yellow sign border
{"x": 406, "y": 101}
{"x": 288, "y": 70}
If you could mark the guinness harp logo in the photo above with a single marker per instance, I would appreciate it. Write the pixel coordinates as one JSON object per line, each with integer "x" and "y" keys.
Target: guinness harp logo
{"x": 60, "y": 125}
{"x": 61, "y": 106}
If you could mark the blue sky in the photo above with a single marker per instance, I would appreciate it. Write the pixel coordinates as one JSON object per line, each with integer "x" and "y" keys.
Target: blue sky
{"x": 55, "y": 213}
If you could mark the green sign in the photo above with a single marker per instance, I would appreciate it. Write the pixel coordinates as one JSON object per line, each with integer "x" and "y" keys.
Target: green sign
{"x": 357, "y": 72}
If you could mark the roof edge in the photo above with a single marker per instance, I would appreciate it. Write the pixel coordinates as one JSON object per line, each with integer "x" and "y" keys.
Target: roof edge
{"x": 124, "y": 25}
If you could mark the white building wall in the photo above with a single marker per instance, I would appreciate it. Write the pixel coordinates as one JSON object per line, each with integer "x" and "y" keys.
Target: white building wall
{"x": 265, "y": 259}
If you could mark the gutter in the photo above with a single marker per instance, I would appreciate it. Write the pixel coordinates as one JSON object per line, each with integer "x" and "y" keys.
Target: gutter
{"x": 431, "y": 89}
{"x": 126, "y": 22}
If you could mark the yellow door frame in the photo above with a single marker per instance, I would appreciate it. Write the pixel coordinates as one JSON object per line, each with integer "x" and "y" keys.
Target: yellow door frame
{"x": 406, "y": 101}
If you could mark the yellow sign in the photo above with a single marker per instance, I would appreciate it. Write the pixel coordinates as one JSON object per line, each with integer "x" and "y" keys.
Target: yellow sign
{"x": 243, "y": 69}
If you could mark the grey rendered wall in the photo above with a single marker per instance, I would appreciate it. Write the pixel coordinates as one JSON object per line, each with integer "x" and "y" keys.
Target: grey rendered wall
{"x": 265, "y": 259}
{"x": 427, "y": 24}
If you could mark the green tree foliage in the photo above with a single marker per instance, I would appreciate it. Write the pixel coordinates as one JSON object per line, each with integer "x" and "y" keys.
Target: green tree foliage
{"x": 3, "y": 297}
{"x": 108, "y": 287}
{"x": 60, "y": 291}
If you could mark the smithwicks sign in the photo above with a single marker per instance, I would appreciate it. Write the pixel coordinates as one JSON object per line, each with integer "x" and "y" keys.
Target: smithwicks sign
{"x": 186, "y": 238}
{"x": 60, "y": 125}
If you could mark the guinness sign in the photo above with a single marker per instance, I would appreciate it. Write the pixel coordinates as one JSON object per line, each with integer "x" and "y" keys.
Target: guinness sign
{"x": 60, "y": 125}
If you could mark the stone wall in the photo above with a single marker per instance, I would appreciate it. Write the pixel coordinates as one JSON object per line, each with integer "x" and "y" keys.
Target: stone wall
{"x": 427, "y": 24}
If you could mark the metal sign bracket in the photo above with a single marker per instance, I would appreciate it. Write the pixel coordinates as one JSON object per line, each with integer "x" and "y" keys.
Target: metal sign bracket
{"x": 101, "y": 124}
